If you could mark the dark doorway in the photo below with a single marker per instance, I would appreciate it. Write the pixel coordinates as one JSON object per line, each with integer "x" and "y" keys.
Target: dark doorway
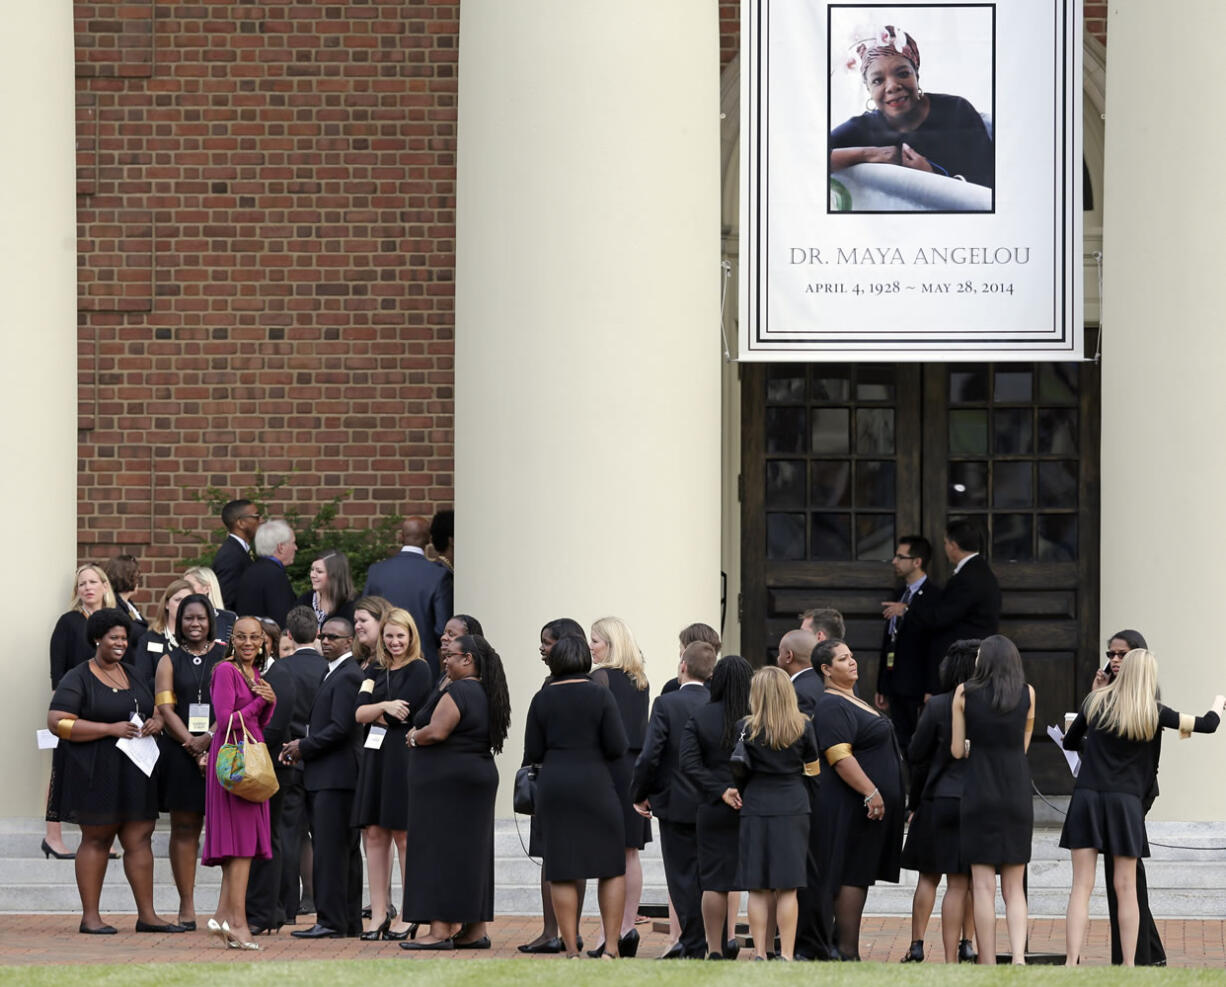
{"x": 839, "y": 460}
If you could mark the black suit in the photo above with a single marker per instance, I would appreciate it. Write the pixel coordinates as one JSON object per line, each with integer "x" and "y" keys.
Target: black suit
{"x": 411, "y": 581}
{"x": 229, "y": 564}
{"x": 330, "y": 753}
{"x": 264, "y": 899}
{"x": 264, "y": 591}
{"x": 815, "y": 914}
{"x": 969, "y": 607}
{"x": 908, "y": 664}
{"x": 674, "y": 801}
{"x": 308, "y": 668}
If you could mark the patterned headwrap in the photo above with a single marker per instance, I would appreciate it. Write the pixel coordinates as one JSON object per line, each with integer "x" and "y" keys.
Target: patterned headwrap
{"x": 885, "y": 42}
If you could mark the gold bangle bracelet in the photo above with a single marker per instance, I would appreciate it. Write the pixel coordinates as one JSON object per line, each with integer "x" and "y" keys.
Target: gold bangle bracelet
{"x": 166, "y": 698}
{"x": 836, "y": 753}
{"x": 63, "y": 728}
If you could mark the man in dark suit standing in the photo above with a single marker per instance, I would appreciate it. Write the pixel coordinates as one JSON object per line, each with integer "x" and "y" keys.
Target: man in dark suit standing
{"x": 969, "y": 606}
{"x": 329, "y": 754}
{"x": 411, "y": 581}
{"x": 307, "y": 667}
{"x": 234, "y": 556}
{"x": 265, "y": 903}
{"x": 265, "y": 590}
{"x": 814, "y": 905}
{"x": 659, "y": 788}
{"x": 907, "y": 669}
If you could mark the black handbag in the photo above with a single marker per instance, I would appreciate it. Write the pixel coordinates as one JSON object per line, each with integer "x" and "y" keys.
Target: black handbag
{"x": 523, "y": 800}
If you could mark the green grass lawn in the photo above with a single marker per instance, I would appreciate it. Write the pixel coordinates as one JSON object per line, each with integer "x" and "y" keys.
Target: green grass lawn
{"x": 492, "y": 973}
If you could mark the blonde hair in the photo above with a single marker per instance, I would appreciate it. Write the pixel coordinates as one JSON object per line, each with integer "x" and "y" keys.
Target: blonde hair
{"x": 1128, "y": 706}
{"x": 208, "y": 578}
{"x": 773, "y": 712}
{"x": 624, "y": 651}
{"x": 108, "y": 594}
{"x": 398, "y": 618}
{"x": 158, "y": 621}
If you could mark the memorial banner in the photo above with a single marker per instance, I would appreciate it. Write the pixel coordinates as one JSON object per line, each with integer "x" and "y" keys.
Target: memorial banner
{"x": 911, "y": 181}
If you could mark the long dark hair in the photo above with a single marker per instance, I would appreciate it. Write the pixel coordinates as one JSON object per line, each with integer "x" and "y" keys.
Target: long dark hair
{"x": 958, "y": 665}
{"x": 494, "y": 681}
{"x": 208, "y": 611}
{"x": 999, "y": 669}
{"x": 730, "y": 685}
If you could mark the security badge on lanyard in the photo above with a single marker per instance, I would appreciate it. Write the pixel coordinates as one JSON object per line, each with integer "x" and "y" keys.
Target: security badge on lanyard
{"x": 197, "y": 717}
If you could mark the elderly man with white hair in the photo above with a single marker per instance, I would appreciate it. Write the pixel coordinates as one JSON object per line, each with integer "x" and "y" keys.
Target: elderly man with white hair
{"x": 265, "y": 590}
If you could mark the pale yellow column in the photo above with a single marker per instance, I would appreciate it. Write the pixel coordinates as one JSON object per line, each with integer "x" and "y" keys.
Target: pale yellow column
{"x": 587, "y": 325}
{"x": 1164, "y": 368}
{"x": 38, "y": 367}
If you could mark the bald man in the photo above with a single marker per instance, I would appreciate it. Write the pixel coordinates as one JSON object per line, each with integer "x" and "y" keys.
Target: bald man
{"x": 411, "y": 581}
{"x": 795, "y": 651}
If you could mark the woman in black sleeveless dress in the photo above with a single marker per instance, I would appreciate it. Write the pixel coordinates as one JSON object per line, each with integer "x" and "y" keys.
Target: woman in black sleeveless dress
{"x": 620, "y": 669}
{"x": 452, "y": 786}
{"x": 934, "y": 842}
{"x": 861, "y": 799}
{"x": 1118, "y": 732}
{"x": 993, "y": 717}
{"x": 706, "y": 746}
{"x": 396, "y": 686}
{"x": 574, "y": 732}
{"x": 182, "y": 697}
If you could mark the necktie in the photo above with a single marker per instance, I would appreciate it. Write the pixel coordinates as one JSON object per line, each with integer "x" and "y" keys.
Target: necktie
{"x": 895, "y": 621}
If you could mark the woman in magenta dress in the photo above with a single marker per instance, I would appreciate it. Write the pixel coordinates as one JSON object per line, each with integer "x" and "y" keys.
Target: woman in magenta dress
{"x": 236, "y": 830}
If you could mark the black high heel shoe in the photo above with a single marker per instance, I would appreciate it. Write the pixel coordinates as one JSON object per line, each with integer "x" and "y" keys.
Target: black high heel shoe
{"x": 915, "y": 953}
{"x": 374, "y": 935}
{"x": 966, "y": 952}
{"x": 628, "y": 945}
{"x": 48, "y": 853}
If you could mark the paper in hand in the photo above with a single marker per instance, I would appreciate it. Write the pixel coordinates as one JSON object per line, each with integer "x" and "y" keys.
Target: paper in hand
{"x": 1074, "y": 762}
{"x": 141, "y": 751}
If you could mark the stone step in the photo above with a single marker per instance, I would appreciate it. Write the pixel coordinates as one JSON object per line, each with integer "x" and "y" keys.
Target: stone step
{"x": 1187, "y": 876}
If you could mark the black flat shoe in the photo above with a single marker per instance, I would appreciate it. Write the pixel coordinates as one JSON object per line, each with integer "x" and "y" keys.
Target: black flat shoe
{"x": 628, "y": 945}
{"x": 442, "y": 944}
{"x": 966, "y": 952}
{"x": 166, "y": 928}
{"x": 732, "y": 949}
{"x": 316, "y": 931}
{"x": 48, "y": 853}
{"x": 715, "y": 956}
{"x": 675, "y": 952}
{"x": 189, "y": 926}
{"x": 915, "y": 953}
{"x": 102, "y": 930}
{"x": 482, "y": 943}
{"x": 554, "y": 945}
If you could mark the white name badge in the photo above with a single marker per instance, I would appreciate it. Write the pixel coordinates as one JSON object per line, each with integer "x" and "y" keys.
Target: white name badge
{"x": 154, "y": 647}
{"x": 197, "y": 717}
{"x": 374, "y": 739}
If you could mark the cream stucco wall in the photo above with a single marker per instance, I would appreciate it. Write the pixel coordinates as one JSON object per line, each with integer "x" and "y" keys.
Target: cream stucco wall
{"x": 587, "y": 325}
{"x": 1164, "y": 362}
{"x": 38, "y": 358}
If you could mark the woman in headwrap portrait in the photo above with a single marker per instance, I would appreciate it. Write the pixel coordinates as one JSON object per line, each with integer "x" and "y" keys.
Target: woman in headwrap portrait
{"x": 903, "y": 125}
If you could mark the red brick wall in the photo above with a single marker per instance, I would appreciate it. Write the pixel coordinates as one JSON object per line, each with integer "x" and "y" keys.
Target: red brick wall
{"x": 266, "y": 208}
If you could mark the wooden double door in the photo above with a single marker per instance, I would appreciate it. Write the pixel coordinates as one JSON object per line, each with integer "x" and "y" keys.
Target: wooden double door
{"x": 839, "y": 461}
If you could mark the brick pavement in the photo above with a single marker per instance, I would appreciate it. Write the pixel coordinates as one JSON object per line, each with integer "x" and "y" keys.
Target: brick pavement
{"x": 53, "y": 939}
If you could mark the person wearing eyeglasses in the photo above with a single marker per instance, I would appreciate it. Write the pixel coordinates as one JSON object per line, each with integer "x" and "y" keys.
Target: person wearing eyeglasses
{"x": 241, "y": 518}
{"x": 907, "y": 670}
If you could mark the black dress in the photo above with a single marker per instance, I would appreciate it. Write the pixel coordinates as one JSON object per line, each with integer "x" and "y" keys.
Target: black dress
{"x": 69, "y": 648}
{"x": 632, "y": 704}
{"x": 382, "y": 796}
{"x": 704, "y": 760}
{"x": 182, "y": 784}
{"x": 149, "y": 650}
{"x": 934, "y": 842}
{"x": 860, "y": 851}
{"x": 452, "y": 787}
{"x": 997, "y": 815}
{"x": 953, "y": 138}
{"x": 100, "y": 785}
{"x": 536, "y": 838}
{"x": 773, "y": 842}
{"x": 1106, "y": 812}
{"x": 574, "y": 732}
